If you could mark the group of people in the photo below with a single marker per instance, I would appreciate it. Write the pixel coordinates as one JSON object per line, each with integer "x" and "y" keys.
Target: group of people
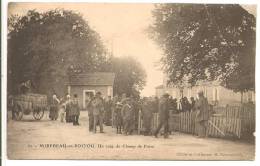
{"x": 119, "y": 110}
{"x": 183, "y": 105}
{"x": 200, "y": 105}
{"x": 67, "y": 109}
{"x": 122, "y": 112}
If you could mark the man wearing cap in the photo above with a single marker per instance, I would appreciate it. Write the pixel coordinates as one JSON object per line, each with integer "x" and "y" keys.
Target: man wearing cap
{"x": 98, "y": 109}
{"x": 163, "y": 115}
{"x": 202, "y": 115}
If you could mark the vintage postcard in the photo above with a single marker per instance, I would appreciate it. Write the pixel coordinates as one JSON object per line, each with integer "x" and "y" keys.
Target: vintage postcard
{"x": 130, "y": 81}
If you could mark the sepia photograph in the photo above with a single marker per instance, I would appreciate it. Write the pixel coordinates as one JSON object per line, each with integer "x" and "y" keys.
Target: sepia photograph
{"x": 130, "y": 81}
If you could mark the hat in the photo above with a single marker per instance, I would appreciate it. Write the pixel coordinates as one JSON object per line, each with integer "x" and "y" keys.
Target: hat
{"x": 98, "y": 93}
{"x": 166, "y": 95}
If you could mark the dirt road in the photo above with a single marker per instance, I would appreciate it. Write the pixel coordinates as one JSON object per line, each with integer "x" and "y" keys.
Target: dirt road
{"x": 45, "y": 139}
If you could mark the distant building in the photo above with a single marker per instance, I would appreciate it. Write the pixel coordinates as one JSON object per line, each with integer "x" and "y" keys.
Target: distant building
{"x": 160, "y": 90}
{"x": 215, "y": 93}
{"x": 84, "y": 84}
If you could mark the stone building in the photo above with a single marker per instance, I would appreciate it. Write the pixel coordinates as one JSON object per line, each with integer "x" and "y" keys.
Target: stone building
{"x": 216, "y": 94}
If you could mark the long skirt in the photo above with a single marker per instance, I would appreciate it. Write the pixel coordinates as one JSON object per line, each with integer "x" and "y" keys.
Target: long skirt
{"x": 68, "y": 117}
{"x": 53, "y": 113}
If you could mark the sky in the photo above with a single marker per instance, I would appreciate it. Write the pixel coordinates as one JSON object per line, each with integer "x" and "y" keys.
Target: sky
{"x": 122, "y": 29}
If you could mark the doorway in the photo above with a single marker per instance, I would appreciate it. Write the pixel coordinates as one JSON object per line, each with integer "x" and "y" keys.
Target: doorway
{"x": 86, "y": 97}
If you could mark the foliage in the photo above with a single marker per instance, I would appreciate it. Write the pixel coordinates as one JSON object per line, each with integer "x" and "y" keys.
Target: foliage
{"x": 46, "y": 47}
{"x": 130, "y": 76}
{"x": 206, "y": 42}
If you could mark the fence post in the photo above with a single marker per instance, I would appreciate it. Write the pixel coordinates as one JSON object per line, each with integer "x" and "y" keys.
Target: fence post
{"x": 139, "y": 122}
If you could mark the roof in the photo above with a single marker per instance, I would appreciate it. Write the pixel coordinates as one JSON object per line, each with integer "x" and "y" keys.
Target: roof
{"x": 159, "y": 87}
{"x": 96, "y": 78}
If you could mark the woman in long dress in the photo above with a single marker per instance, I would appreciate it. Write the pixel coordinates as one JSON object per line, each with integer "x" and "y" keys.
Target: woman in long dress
{"x": 54, "y": 108}
{"x": 68, "y": 116}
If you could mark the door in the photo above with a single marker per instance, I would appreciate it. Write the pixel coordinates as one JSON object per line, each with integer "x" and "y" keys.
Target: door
{"x": 86, "y": 96}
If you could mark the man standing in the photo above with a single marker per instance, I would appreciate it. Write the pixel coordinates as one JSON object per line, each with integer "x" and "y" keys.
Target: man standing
{"x": 127, "y": 112}
{"x": 90, "y": 112}
{"x": 98, "y": 109}
{"x": 163, "y": 115}
{"x": 147, "y": 113}
{"x": 75, "y": 111}
{"x": 118, "y": 118}
{"x": 115, "y": 100}
{"x": 108, "y": 111}
{"x": 192, "y": 103}
{"x": 202, "y": 115}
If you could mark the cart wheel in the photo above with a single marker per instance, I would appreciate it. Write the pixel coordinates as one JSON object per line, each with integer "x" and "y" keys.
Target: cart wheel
{"x": 18, "y": 112}
{"x": 38, "y": 113}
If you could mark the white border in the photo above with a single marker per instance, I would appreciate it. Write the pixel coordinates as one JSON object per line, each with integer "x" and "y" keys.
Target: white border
{"x": 114, "y": 163}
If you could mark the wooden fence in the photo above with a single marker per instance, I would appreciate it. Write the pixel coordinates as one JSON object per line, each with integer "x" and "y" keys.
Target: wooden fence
{"x": 229, "y": 121}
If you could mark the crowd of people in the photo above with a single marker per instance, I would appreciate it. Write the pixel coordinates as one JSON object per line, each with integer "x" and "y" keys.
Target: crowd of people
{"x": 123, "y": 112}
{"x": 67, "y": 109}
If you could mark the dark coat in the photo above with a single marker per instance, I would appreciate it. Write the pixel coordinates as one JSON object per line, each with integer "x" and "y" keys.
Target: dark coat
{"x": 90, "y": 108}
{"x": 147, "y": 111}
{"x": 75, "y": 111}
{"x": 202, "y": 107}
{"x": 68, "y": 108}
{"x": 54, "y": 109}
{"x": 163, "y": 109}
{"x": 98, "y": 106}
{"x": 118, "y": 115}
{"x": 127, "y": 112}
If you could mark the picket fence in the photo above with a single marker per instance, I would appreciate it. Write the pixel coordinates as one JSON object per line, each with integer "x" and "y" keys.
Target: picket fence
{"x": 230, "y": 121}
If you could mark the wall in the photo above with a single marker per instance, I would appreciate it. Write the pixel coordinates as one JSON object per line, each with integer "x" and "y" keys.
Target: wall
{"x": 79, "y": 91}
{"x": 214, "y": 93}
{"x": 220, "y": 94}
{"x": 159, "y": 92}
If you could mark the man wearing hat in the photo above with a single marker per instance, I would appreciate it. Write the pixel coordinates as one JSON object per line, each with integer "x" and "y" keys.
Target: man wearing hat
{"x": 202, "y": 115}
{"x": 98, "y": 109}
{"x": 163, "y": 115}
{"x": 128, "y": 117}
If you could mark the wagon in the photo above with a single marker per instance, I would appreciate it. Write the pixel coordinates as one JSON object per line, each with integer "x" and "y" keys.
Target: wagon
{"x": 25, "y": 104}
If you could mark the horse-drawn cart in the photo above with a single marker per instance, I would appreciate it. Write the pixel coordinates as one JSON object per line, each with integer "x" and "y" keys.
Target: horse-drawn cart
{"x": 24, "y": 104}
